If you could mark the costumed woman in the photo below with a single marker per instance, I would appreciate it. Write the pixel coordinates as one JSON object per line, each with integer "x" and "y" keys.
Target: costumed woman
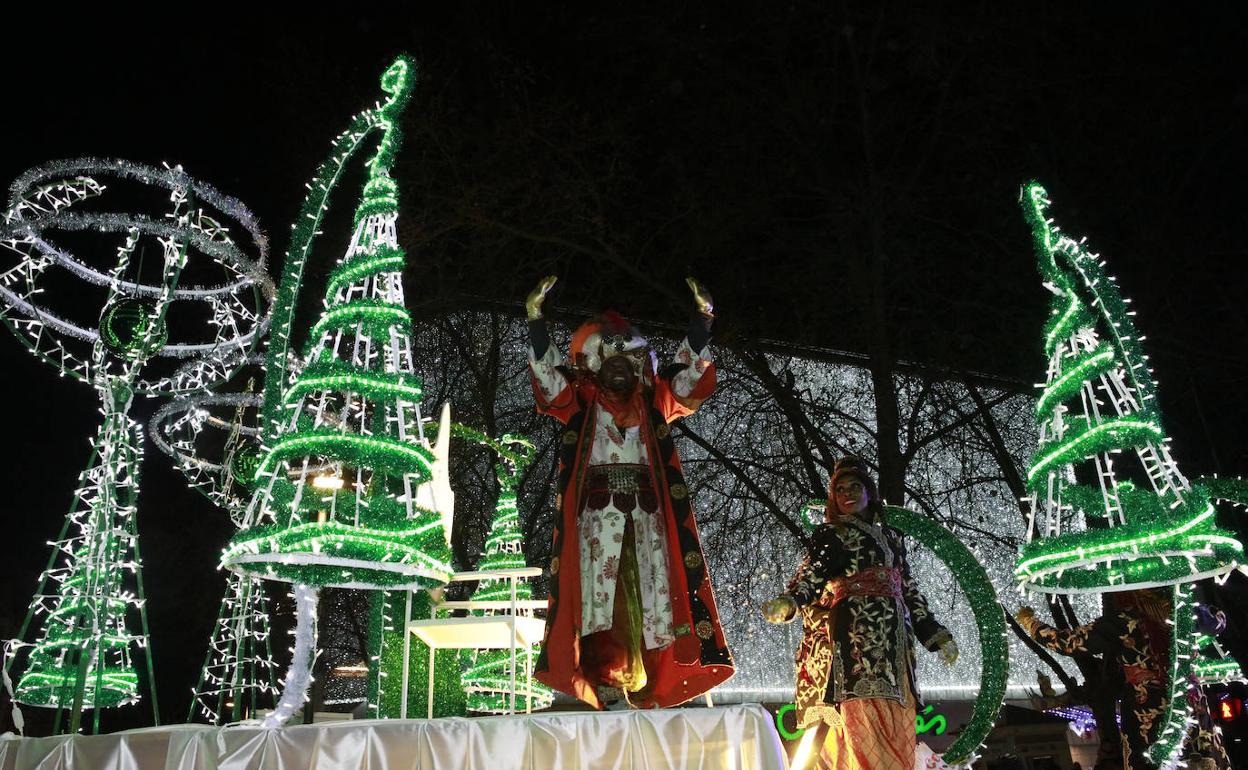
{"x": 631, "y": 611}
{"x": 861, "y": 611}
{"x": 1134, "y": 634}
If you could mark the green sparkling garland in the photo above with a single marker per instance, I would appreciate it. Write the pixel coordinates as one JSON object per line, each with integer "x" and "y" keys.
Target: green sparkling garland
{"x": 384, "y": 260}
{"x": 375, "y": 452}
{"x": 1217, "y": 671}
{"x": 377, "y": 386}
{"x": 369, "y": 317}
{"x": 1232, "y": 490}
{"x": 1132, "y": 554}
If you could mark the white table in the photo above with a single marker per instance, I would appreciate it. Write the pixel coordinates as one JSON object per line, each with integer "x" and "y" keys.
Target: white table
{"x": 513, "y": 627}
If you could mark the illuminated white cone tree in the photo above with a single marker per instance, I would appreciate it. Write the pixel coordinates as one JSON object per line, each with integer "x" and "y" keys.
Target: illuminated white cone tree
{"x": 238, "y": 676}
{"x": 92, "y": 588}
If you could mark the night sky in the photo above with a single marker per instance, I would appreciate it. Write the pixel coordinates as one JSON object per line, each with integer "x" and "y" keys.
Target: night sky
{"x": 1134, "y": 115}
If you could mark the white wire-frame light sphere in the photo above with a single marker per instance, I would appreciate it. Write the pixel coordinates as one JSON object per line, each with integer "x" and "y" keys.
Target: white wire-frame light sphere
{"x": 52, "y": 229}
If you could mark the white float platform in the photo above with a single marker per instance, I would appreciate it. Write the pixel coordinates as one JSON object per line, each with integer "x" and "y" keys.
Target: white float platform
{"x": 725, "y": 738}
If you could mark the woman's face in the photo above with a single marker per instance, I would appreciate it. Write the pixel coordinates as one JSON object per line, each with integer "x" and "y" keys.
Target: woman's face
{"x": 851, "y": 495}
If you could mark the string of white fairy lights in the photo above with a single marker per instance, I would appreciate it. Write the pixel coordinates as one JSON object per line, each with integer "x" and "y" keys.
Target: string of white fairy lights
{"x": 179, "y": 429}
{"x": 213, "y": 439}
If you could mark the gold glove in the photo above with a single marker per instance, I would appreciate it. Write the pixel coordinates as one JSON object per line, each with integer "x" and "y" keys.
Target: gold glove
{"x": 701, "y": 297}
{"x": 533, "y": 302}
{"x": 780, "y": 609}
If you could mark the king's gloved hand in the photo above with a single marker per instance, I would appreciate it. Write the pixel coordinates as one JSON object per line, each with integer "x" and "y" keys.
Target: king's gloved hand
{"x": 533, "y": 302}
{"x": 701, "y": 297}
{"x": 948, "y": 652}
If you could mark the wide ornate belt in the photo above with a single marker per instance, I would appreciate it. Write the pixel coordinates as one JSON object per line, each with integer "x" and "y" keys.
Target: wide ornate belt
{"x": 628, "y": 486}
{"x": 872, "y": 581}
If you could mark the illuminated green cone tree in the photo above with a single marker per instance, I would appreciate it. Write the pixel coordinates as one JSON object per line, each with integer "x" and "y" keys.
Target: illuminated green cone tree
{"x": 1110, "y": 509}
{"x": 84, "y": 657}
{"x": 487, "y": 676}
{"x": 349, "y": 493}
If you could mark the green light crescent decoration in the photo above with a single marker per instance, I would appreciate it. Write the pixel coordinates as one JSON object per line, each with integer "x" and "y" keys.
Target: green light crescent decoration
{"x": 124, "y": 329}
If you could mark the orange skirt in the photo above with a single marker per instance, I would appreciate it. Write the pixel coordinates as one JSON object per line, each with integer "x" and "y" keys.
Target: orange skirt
{"x": 876, "y": 734}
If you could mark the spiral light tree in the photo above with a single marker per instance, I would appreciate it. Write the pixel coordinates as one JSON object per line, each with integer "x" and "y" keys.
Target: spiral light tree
{"x": 1110, "y": 509}
{"x": 88, "y": 596}
{"x": 488, "y": 676}
{"x": 348, "y": 493}
{"x": 213, "y": 438}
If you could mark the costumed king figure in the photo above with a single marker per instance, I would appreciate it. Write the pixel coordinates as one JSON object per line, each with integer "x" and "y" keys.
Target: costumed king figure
{"x": 861, "y": 611}
{"x": 631, "y": 610}
{"x": 1134, "y": 634}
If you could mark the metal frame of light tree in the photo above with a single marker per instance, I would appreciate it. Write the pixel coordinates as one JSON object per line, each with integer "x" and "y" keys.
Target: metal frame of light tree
{"x": 83, "y": 660}
{"x": 50, "y": 197}
{"x": 238, "y": 669}
{"x": 1099, "y": 399}
{"x": 342, "y": 492}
